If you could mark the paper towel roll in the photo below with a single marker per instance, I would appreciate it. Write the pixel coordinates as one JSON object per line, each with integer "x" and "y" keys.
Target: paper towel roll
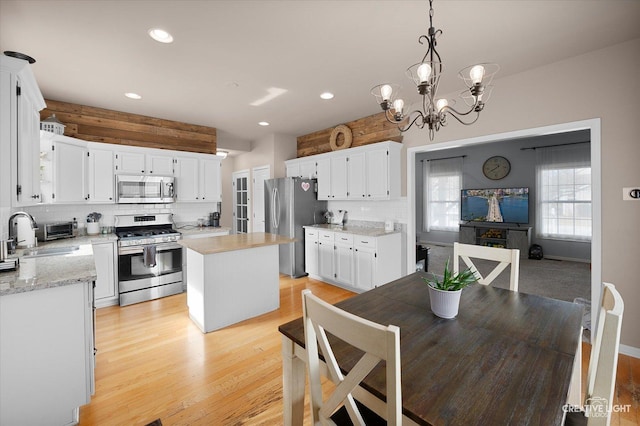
{"x": 26, "y": 235}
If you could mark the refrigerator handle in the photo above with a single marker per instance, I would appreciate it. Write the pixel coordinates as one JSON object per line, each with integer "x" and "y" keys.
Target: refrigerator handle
{"x": 276, "y": 204}
{"x": 273, "y": 209}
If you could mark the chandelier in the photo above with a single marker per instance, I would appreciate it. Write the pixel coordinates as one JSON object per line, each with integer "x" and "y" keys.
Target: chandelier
{"x": 426, "y": 76}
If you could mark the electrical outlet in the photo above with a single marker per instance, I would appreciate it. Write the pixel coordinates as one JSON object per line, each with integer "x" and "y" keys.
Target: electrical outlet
{"x": 631, "y": 193}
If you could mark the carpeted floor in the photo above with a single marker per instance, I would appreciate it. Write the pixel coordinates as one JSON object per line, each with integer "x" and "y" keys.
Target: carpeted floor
{"x": 558, "y": 279}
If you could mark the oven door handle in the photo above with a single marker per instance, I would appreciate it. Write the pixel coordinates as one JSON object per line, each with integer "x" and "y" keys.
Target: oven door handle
{"x": 139, "y": 249}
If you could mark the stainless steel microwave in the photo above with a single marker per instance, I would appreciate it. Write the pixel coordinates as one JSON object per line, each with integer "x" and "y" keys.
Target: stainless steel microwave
{"x": 145, "y": 189}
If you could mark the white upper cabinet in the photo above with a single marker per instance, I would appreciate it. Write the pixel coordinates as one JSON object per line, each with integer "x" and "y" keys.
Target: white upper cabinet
{"x": 301, "y": 167}
{"x": 101, "y": 176}
{"x": 135, "y": 161}
{"x": 370, "y": 172}
{"x": 357, "y": 177}
{"x": 69, "y": 172}
{"x": 159, "y": 164}
{"x": 198, "y": 178}
{"x": 324, "y": 178}
{"x": 187, "y": 179}
{"x": 210, "y": 180}
{"x": 381, "y": 165}
{"x": 74, "y": 171}
{"x": 19, "y": 133}
{"x": 339, "y": 173}
{"x": 129, "y": 162}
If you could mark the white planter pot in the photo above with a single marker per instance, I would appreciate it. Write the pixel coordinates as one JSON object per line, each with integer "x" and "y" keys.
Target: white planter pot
{"x": 444, "y": 303}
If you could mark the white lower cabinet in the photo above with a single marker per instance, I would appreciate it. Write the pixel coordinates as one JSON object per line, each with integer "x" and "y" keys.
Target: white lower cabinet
{"x": 104, "y": 255}
{"x": 46, "y": 355}
{"x": 311, "y": 251}
{"x": 325, "y": 254}
{"x": 364, "y": 262}
{"x": 343, "y": 255}
{"x": 359, "y": 262}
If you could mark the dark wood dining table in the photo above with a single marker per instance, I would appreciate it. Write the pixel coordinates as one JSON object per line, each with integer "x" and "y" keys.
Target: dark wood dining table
{"x": 508, "y": 358}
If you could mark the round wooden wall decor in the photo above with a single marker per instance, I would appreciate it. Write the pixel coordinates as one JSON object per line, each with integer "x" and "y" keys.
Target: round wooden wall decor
{"x": 346, "y": 133}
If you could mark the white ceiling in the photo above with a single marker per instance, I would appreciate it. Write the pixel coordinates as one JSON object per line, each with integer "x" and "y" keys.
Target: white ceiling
{"x": 92, "y": 52}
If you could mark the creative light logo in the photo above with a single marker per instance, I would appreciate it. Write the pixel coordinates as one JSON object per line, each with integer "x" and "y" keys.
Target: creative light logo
{"x": 596, "y": 407}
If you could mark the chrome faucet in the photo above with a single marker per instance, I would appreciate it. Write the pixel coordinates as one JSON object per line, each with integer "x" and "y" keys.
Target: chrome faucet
{"x": 12, "y": 231}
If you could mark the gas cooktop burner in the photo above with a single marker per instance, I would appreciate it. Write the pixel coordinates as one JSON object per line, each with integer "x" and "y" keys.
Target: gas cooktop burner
{"x": 139, "y": 230}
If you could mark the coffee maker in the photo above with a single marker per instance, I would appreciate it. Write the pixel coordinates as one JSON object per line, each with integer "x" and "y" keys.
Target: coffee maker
{"x": 214, "y": 219}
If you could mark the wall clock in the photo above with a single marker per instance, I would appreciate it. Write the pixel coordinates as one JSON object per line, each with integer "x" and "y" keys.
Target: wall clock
{"x": 496, "y": 167}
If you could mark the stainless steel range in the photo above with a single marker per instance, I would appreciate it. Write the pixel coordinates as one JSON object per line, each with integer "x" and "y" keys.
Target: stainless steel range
{"x": 149, "y": 257}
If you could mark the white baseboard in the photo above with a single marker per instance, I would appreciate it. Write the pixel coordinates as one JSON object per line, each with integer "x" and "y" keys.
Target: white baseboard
{"x": 570, "y": 259}
{"x": 630, "y": 351}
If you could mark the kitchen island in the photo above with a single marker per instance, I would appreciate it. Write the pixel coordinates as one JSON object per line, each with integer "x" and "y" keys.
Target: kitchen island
{"x": 231, "y": 278}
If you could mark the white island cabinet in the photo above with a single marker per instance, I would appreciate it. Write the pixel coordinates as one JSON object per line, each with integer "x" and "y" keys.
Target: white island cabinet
{"x": 232, "y": 278}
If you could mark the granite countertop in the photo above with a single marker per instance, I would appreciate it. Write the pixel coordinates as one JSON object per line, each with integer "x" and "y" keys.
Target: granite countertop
{"x": 57, "y": 270}
{"x": 357, "y": 230}
{"x": 38, "y": 273}
{"x": 224, "y": 243}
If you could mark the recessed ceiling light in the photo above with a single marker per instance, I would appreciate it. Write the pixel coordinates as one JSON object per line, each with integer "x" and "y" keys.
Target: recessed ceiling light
{"x": 326, "y": 95}
{"x": 263, "y": 123}
{"x": 132, "y": 95}
{"x": 160, "y": 35}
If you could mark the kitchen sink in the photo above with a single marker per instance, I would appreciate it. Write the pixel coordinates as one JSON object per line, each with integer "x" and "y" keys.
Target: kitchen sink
{"x": 51, "y": 251}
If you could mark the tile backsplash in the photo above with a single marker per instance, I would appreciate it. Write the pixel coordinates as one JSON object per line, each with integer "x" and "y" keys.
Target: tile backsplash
{"x": 373, "y": 211}
{"x": 182, "y": 212}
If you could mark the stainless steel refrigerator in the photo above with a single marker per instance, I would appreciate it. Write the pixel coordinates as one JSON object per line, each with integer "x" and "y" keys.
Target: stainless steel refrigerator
{"x": 290, "y": 203}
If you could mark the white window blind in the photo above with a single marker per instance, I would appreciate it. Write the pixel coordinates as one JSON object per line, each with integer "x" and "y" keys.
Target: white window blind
{"x": 443, "y": 181}
{"x": 563, "y": 205}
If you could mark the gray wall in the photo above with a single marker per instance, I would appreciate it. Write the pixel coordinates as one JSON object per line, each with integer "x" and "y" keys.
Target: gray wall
{"x": 522, "y": 175}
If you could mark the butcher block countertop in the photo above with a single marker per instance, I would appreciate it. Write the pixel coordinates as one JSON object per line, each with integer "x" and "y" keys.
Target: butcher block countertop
{"x": 224, "y": 243}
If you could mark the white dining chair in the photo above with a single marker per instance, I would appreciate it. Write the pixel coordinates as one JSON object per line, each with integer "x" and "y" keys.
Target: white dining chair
{"x": 504, "y": 257}
{"x": 378, "y": 343}
{"x": 603, "y": 364}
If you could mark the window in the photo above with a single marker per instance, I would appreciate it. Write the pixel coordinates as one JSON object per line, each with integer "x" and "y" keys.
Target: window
{"x": 443, "y": 182}
{"x": 564, "y": 192}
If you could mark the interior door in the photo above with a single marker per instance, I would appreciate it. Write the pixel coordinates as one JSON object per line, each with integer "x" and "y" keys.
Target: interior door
{"x": 240, "y": 182}
{"x": 260, "y": 174}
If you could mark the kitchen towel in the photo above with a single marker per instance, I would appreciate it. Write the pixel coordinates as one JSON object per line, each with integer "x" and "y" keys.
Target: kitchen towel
{"x": 149, "y": 256}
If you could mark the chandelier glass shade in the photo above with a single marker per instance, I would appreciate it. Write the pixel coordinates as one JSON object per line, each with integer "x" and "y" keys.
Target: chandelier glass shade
{"x": 425, "y": 75}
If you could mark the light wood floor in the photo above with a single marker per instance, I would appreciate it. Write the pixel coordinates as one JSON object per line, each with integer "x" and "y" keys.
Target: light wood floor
{"x": 153, "y": 362}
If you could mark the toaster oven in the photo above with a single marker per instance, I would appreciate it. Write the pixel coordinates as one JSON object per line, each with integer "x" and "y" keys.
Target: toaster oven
{"x": 54, "y": 231}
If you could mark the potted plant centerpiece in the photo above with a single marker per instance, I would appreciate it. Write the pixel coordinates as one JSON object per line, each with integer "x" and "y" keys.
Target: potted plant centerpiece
{"x": 445, "y": 291}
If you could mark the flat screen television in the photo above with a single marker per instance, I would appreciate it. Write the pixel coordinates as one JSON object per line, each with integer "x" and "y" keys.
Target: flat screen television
{"x": 503, "y": 205}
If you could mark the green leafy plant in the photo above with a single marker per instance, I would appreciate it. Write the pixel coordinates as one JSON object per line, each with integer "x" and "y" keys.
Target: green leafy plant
{"x": 450, "y": 281}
